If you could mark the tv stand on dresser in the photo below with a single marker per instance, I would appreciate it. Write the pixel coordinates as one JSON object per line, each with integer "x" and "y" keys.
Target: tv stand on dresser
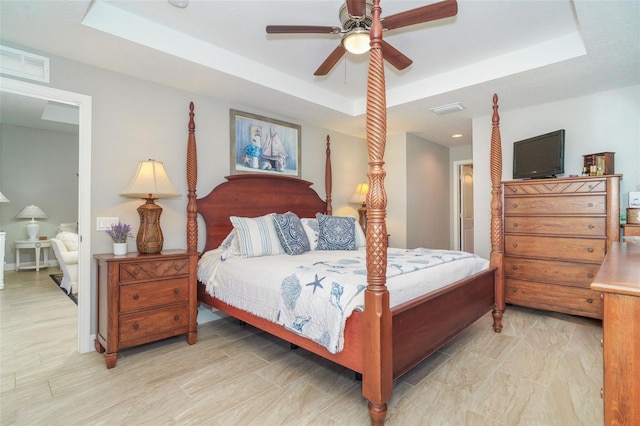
{"x": 557, "y": 232}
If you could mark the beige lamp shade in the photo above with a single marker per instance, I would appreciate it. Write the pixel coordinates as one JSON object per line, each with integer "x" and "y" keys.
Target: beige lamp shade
{"x": 3, "y": 199}
{"x": 360, "y": 195}
{"x": 150, "y": 181}
{"x": 32, "y": 212}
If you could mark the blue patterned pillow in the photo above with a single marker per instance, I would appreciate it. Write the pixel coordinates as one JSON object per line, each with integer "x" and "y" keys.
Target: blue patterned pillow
{"x": 291, "y": 233}
{"x": 336, "y": 233}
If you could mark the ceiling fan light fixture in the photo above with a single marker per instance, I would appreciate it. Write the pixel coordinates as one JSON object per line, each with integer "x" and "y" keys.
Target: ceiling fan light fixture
{"x": 357, "y": 41}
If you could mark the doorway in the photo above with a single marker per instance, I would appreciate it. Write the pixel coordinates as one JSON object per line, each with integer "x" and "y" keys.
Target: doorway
{"x": 463, "y": 206}
{"x": 83, "y": 102}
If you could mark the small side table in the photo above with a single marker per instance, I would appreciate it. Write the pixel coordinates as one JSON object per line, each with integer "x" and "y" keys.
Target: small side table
{"x": 36, "y": 245}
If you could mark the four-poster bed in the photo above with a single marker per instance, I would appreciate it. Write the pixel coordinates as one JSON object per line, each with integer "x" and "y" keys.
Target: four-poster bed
{"x": 380, "y": 342}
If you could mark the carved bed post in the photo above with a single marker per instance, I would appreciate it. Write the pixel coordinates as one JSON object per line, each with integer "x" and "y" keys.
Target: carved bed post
{"x": 377, "y": 377}
{"x": 328, "y": 179}
{"x": 192, "y": 178}
{"x": 497, "y": 233}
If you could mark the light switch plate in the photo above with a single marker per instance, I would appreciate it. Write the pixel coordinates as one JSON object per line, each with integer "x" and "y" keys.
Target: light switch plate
{"x": 104, "y": 223}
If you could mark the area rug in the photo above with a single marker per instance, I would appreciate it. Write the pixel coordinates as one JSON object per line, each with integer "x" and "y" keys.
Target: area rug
{"x": 57, "y": 278}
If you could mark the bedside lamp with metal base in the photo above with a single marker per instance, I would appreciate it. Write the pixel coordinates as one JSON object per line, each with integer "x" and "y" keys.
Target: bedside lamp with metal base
{"x": 150, "y": 183}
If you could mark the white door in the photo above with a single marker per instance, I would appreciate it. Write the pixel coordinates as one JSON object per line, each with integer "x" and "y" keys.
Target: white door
{"x": 466, "y": 208}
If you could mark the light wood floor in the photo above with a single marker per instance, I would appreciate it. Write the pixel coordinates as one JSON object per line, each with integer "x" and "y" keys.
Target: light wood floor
{"x": 544, "y": 369}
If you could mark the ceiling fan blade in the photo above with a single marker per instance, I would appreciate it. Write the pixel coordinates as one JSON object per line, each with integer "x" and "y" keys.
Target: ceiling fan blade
{"x": 356, "y": 7}
{"x": 331, "y": 61}
{"x": 394, "y": 56}
{"x": 431, "y": 12}
{"x": 301, "y": 29}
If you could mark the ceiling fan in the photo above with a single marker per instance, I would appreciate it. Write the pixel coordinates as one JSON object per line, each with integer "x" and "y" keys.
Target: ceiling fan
{"x": 356, "y": 19}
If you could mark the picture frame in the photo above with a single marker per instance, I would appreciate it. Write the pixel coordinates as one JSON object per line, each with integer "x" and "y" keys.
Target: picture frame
{"x": 264, "y": 145}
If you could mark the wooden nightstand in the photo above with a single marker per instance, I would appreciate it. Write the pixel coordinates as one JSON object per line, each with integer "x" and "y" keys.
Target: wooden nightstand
{"x": 143, "y": 298}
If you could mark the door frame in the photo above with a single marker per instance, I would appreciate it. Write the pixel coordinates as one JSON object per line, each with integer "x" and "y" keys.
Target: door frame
{"x": 456, "y": 202}
{"x": 83, "y": 102}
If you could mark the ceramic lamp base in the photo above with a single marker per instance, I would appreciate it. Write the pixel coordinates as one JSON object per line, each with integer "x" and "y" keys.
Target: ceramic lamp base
{"x": 33, "y": 229}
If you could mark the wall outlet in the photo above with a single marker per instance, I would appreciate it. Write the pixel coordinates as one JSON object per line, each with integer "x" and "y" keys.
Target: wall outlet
{"x": 104, "y": 223}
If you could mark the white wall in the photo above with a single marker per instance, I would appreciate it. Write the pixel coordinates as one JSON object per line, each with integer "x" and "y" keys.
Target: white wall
{"x": 604, "y": 121}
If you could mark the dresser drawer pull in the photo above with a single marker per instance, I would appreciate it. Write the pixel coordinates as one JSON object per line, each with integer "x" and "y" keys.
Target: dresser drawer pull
{"x": 513, "y": 289}
{"x": 135, "y": 326}
{"x": 589, "y": 300}
{"x": 590, "y": 205}
{"x": 514, "y": 189}
{"x": 176, "y": 267}
{"x": 601, "y": 393}
{"x": 514, "y": 267}
{"x": 136, "y": 296}
{"x": 136, "y": 271}
{"x": 176, "y": 291}
{"x": 176, "y": 317}
{"x": 590, "y": 250}
{"x": 601, "y": 296}
{"x": 515, "y": 205}
{"x": 590, "y": 226}
{"x": 515, "y": 244}
{"x": 589, "y": 275}
{"x": 515, "y": 225}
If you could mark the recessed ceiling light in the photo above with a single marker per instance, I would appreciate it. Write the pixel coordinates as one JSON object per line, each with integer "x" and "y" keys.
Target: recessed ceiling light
{"x": 457, "y": 135}
{"x": 447, "y": 109}
{"x": 179, "y": 3}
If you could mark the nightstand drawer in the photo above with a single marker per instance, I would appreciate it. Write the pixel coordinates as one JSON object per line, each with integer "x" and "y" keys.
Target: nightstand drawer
{"x": 581, "y": 226}
{"x": 155, "y": 293}
{"x": 575, "y": 204}
{"x": 561, "y": 273}
{"x": 581, "y": 249}
{"x": 138, "y": 326}
{"x": 145, "y": 270}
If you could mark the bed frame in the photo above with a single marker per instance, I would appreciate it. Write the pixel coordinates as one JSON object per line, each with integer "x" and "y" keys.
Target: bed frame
{"x": 380, "y": 343}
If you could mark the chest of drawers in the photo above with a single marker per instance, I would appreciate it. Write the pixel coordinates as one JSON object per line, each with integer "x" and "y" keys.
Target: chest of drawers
{"x": 556, "y": 235}
{"x": 143, "y": 298}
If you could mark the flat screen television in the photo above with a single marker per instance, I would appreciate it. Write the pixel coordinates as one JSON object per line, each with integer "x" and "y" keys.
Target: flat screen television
{"x": 539, "y": 157}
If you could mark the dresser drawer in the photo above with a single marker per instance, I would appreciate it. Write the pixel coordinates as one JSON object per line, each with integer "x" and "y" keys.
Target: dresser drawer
{"x": 570, "y": 300}
{"x": 582, "y": 226}
{"x": 557, "y": 205}
{"x": 155, "y": 293}
{"x": 555, "y": 186}
{"x": 145, "y": 270}
{"x": 549, "y": 271}
{"x": 135, "y": 328}
{"x": 555, "y": 248}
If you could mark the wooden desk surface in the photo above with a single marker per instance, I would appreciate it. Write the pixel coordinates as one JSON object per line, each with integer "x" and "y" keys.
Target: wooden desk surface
{"x": 620, "y": 271}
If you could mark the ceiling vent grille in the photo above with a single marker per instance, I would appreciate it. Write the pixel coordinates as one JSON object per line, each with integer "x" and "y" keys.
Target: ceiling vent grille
{"x": 24, "y": 64}
{"x": 447, "y": 109}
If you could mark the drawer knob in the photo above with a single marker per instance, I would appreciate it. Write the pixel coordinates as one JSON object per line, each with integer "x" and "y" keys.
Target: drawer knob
{"x": 590, "y": 226}
{"x": 589, "y": 300}
{"x": 515, "y": 205}
{"x": 590, "y": 250}
{"x": 515, "y": 244}
{"x": 601, "y": 393}
{"x": 514, "y": 189}
{"x": 515, "y": 225}
{"x": 135, "y": 326}
{"x": 176, "y": 317}
{"x": 513, "y": 289}
{"x": 176, "y": 267}
{"x": 601, "y": 296}
{"x": 176, "y": 291}
{"x": 589, "y": 275}
{"x": 514, "y": 267}
{"x": 136, "y": 271}
{"x": 136, "y": 296}
{"x": 590, "y": 205}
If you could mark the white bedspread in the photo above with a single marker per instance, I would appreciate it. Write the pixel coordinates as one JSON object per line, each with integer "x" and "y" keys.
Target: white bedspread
{"x": 276, "y": 287}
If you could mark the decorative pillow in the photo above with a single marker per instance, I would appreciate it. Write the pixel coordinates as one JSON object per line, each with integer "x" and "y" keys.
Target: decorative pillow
{"x": 69, "y": 239}
{"x": 311, "y": 229}
{"x": 336, "y": 233}
{"x": 291, "y": 233}
{"x": 230, "y": 244}
{"x": 257, "y": 236}
{"x": 361, "y": 239}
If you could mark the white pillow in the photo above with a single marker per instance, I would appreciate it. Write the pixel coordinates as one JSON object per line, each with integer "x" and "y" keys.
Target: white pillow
{"x": 257, "y": 236}
{"x": 361, "y": 239}
{"x": 69, "y": 239}
{"x": 230, "y": 245}
{"x": 310, "y": 227}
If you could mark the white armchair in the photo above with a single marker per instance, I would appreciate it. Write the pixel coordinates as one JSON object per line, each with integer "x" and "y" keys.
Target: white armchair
{"x": 65, "y": 247}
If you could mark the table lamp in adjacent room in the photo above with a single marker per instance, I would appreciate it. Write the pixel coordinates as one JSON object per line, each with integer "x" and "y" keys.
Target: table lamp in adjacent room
{"x": 360, "y": 197}
{"x": 150, "y": 183}
{"x": 32, "y": 212}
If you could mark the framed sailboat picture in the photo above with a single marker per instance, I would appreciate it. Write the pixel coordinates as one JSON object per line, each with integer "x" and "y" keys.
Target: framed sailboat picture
{"x": 264, "y": 145}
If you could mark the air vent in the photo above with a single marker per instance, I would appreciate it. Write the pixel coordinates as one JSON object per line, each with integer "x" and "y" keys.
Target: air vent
{"x": 447, "y": 109}
{"x": 24, "y": 64}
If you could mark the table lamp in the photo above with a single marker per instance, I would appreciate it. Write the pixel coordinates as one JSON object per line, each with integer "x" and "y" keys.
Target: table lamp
{"x": 150, "y": 183}
{"x": 360, "y": 197}
{"x": 32, "y": 212}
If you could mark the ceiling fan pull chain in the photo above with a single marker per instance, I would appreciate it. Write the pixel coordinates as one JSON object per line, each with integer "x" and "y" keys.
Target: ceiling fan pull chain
{"x": 345, "y": 69}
